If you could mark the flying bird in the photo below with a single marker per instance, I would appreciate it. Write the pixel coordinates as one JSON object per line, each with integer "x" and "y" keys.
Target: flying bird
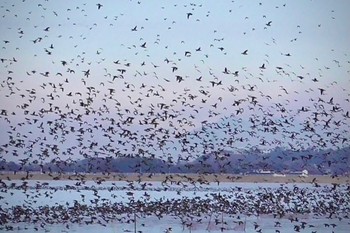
{"x": 99, "y": 6}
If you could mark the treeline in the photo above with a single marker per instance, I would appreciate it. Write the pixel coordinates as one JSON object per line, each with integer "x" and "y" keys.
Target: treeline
{"x": 279, "y": 160}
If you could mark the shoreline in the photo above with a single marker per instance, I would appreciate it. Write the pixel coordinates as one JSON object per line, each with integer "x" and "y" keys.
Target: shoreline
{"x": 192, "y": 178}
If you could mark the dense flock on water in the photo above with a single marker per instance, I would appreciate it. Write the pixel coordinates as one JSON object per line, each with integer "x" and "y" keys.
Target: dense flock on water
{"x": 205, "y": 205}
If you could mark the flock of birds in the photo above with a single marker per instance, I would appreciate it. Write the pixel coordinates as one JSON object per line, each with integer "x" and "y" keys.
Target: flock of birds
{"x": 157, "y": 94}
{"x": 220, "y": 209}
{"x": 79, "y": 107}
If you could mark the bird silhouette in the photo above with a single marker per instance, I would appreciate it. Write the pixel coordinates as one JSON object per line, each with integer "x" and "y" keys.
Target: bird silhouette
{"x": 245, "y": 52}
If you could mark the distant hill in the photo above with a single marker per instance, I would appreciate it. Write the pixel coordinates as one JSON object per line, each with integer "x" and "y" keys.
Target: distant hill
{"x": 279, "y": 160}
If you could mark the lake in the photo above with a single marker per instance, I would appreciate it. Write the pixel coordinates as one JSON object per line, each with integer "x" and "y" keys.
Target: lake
{"x": 113, "y": 206}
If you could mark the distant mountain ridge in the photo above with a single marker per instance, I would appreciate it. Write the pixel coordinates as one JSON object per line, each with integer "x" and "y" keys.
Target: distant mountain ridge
{"x": 336, "y": 162}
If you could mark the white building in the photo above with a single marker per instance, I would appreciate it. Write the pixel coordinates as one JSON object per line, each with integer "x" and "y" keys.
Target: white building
{"x": 304, "y": 173}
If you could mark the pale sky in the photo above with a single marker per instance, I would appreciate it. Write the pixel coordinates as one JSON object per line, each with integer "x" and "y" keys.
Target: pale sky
{"x": 170, "y": 74}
